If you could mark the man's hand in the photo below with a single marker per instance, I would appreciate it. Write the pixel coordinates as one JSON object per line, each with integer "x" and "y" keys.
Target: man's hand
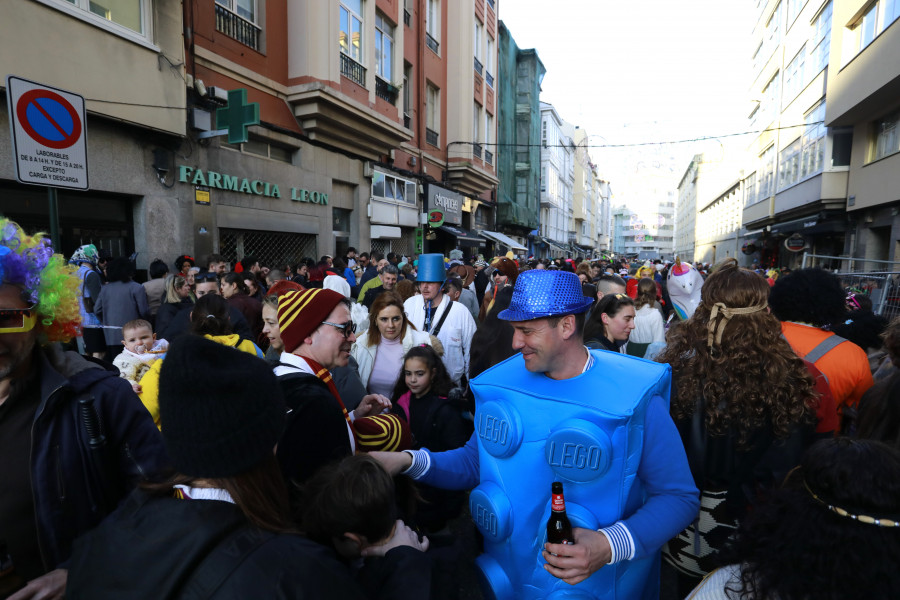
{"x": 51, "y": 586}
{"x": 576, "y": 562}
{"x": 393, "y": 462}
{"x": 373, "y": 404}
{"x": 402, "y": 535}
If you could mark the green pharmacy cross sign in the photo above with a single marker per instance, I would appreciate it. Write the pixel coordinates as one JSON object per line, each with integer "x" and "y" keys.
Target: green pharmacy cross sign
{"x": 238, "y": 116}
{"x": 235, "y": 118}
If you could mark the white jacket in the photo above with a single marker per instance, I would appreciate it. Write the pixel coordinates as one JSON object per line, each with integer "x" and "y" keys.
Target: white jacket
{"x": 455, "y": 334}
{"x": 648, "y": 326}
{"x": 365, "y": 354}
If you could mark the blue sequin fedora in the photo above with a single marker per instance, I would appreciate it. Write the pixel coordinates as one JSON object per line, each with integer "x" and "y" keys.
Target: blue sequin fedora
{"x": 543, "y": 293}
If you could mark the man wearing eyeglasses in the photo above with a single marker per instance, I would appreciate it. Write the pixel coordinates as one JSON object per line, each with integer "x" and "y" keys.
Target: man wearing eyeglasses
{"x": 317, "y": 333}
{"x": 59, "y": 475}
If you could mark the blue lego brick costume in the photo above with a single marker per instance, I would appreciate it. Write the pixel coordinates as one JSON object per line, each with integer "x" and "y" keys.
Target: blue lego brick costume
{"x": 612, "y": 445}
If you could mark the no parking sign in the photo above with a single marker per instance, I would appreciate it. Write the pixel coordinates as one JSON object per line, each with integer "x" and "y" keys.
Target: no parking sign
{"x": 48, "y": 134}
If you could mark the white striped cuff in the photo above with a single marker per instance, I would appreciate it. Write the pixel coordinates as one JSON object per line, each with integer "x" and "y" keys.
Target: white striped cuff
{"x": 421, "y": 462}
{"x": 620, "y": 542}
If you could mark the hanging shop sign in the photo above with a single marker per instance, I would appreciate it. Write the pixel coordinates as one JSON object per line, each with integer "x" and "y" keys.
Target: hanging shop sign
{"x": 749, "y": 247}
{"x": 447, "y": 201}
{"x": 795, "y": 243}
{"x": 435, "y": 218}
{"x": 255, "y": 187}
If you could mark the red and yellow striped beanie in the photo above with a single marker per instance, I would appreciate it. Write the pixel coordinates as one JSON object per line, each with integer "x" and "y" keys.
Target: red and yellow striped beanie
{"x": 301, "y": 313}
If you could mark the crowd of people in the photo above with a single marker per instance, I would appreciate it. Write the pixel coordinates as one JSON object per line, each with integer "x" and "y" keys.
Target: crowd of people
{"x": 311, "y": 429}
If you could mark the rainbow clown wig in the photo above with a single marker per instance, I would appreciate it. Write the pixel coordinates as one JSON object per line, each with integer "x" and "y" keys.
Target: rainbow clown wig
{"x": 47, "y": 282}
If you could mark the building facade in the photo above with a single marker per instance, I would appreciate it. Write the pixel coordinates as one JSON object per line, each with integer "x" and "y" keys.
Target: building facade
{"x": 797, "y": 166}
{"x": 135, "y": 106}
{"x": 864, "y": 102}
{"x": 557, "y": 178}
{"x": 518, "y": 135}
{"x": 351, "y": 147}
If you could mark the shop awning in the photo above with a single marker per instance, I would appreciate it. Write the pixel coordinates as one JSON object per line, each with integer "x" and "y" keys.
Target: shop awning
{"x": 463, "y": 236}
{"x": 504, "y": 240}
{"x": 817, "y": 223}
{"x": 557, "y": 245}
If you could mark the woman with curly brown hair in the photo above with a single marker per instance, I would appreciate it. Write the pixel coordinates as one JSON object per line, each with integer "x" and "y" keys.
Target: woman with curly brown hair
{"x": 744, "y": 404}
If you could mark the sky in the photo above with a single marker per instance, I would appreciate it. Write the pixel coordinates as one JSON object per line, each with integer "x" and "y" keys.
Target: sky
{"x": 641, "y": 71}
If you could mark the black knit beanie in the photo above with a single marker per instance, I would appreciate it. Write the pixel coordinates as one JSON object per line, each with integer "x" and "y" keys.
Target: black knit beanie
{"x": 221, "y": 410}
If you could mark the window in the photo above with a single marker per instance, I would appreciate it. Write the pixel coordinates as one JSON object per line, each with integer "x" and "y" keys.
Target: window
{"x": 875, "y": 20}
{"x": 351, "y": 29}
{"x": 887, "y": 140}
{"x": 793, "y": 76}
{"x": 433, "y": 24}
{"x": 262, "y": 148}
{"x": 132, "y": 15}
{"x": 390, "y": 187}
{"x": 489, "y": 62}
{"x": 793, "y": 9}
{"x": 384, "y": 47}
{"x": 476, "y": 131}
{"x": 813, "y": 152}
{"x": 479, "y": 29}
{"x": 246, "y": 9}
{"x": 771, "y": 101}
{"x": 544, "y": 178}
{"x": 789, "y": 163}
{"x": 238, "y": 19}
{"x": 407, "y": 99}
{"x": 751, "y": 190}
{"x": 820, "y": 41}
{"x": 767, "y": 173}
{"x": 432, "y": 114}
{"x": 488, "y": 136}
{"x": 544, "y": 132}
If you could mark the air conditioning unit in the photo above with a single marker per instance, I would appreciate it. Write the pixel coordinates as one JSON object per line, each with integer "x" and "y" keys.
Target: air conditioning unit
{"x": 218, "y": 94}
{"x": 367, "y": 169}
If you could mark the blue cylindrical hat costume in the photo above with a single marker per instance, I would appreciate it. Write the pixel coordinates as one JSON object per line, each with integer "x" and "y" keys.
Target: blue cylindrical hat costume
{"x": 586, "y": 431}
{"x": 431, "y": 268}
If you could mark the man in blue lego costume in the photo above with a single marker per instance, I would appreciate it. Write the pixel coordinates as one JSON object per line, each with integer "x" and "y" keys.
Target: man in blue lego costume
{"x": 597, "y": 421}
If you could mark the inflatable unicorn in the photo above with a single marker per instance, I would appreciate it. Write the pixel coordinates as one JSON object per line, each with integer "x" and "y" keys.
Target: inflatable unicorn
{"x": 684, "y": 283}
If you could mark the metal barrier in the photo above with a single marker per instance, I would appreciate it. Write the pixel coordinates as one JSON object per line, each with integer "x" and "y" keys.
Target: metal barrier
{"x": 849, "y": 264}
{"x": 883, "y": 289}
{"x": 273, "y": 249}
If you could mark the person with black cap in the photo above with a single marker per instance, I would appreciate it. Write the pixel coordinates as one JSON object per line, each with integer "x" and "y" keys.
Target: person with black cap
{"x": 220, "y": 527}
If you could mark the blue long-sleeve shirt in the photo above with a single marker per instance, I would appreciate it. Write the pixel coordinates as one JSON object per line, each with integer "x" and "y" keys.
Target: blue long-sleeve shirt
{"x": 672, "y": 498}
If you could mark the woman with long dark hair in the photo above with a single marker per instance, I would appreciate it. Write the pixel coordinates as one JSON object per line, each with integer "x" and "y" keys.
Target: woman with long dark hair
{"x": 610, "y": 323}
{"x": 744, "y": 405}
{"x": 832, "y": 531}
{"x": 379, "y": 349}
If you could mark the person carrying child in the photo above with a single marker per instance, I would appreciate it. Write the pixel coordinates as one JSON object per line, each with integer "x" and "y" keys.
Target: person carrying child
{"x": 142, "y": 349}
{"x": 421, "y": 398}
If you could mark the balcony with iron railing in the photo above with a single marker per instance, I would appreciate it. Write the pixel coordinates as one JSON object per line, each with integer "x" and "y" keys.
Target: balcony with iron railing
{"x": 489, "y": 78}
{"x": 431, "y": 42}
{"x": 431, "y": 137}
{"x": 407, "y": 121}
{"x": 488, "y": 157}
{"x": 478, "y": 66}
{"x": 476, "y": 150}
{"x": 491, "y": 3}
{"x": 385, "y": 90}
{"x": 237, "y": 27}
{"x": 352, "y": 70}
{"x": 407, "y": 18}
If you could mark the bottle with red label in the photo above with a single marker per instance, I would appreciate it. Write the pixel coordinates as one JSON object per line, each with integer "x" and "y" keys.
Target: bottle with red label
{"x": 559, "y": 530}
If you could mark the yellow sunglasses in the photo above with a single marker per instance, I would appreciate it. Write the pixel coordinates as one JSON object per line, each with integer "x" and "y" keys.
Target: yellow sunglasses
{"x": 18, "y": 320}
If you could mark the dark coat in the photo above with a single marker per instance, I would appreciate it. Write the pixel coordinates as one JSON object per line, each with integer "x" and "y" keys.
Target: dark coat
{"x": 180, "y": 324}
{"x": 74, "y": 486}
{"x": 371, "y": 294}
{"x": 316, "y": 430}
{"x": 167, "y": 313}
{"x": 153, "y": 546}
{"x": 251, "y": 308}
